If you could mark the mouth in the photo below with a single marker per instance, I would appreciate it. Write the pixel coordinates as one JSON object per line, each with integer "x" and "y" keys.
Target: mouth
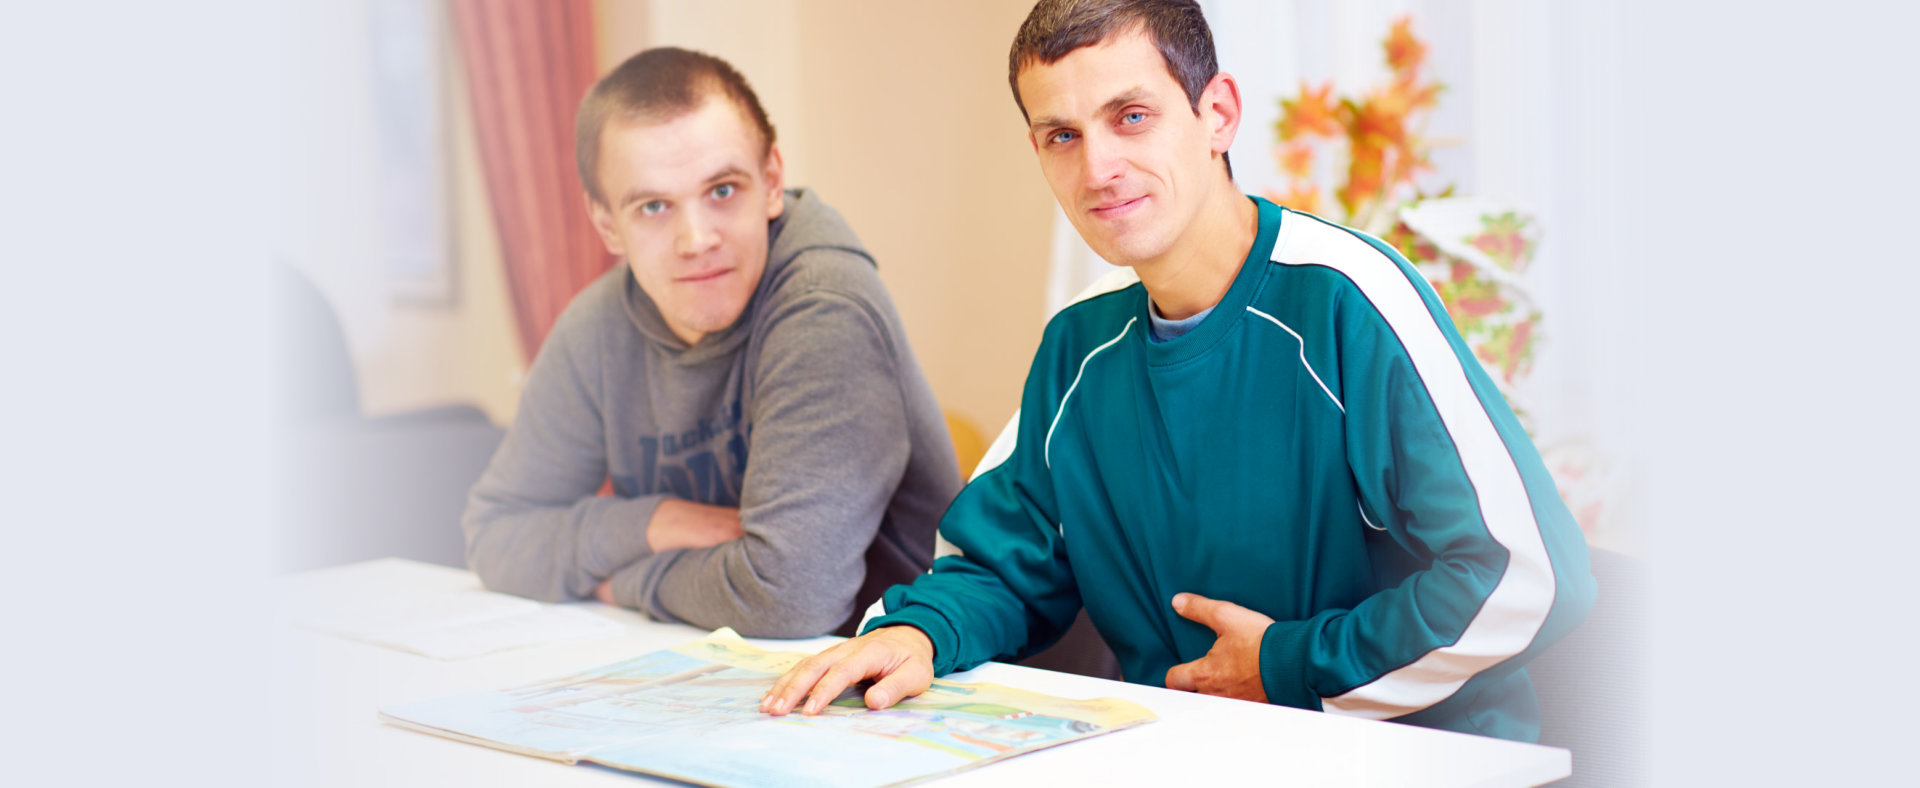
{"x": 1116, "y": 208}
{"x": 704, "y": 276}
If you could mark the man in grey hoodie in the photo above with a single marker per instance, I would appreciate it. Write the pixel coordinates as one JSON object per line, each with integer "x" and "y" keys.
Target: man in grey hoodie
{"x": 776, "y": 456}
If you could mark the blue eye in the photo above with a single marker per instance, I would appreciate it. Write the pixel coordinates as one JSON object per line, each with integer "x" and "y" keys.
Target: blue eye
{"x": 1133, "y": 117}
{"x": 652, "y": 207}
{"x": 723, "y": 191}
{"x": 1061, "y": 136}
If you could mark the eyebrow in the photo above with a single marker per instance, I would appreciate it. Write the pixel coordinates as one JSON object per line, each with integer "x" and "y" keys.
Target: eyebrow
{"x": 637, "y": 195}
{"x": 1131, "y": 96}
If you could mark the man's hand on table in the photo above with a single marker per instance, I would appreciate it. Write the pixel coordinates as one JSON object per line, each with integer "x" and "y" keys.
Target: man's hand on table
{"x": 901, "y": 657}
{"x": 1232, "y": 667}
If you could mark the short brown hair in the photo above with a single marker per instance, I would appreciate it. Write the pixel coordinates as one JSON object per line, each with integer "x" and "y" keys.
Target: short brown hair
{"x": 1055, "y": 28}
{"x": 661, "y": 83}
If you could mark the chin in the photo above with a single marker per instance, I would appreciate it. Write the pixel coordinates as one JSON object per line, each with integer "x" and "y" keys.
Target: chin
{"x": 1129, "y": 254}
{"x": 711, "y": 322}
{"x": 1127, "y": 247}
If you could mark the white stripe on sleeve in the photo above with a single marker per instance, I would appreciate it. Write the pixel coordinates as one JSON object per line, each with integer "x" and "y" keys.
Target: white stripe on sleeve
{"x": 1517, "y": 607}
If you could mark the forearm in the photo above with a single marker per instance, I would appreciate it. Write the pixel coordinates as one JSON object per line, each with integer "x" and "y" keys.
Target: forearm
{"x": 1002, "y": 586}
{"x": 968, "y": 615}
{"x": 806, "y": 529}
{"x": 1504, "y": 573}
{"x": 1006, "y": 591}
{"x": 802, "y": 557}
{"x": 1412, "y": 646}
{"x": 533, "y": 524}
{"x": 744, "y": 584}
{"x": 556, "y": 553}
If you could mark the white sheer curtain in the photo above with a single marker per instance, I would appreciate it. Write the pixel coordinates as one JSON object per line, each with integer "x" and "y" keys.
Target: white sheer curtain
{"x": 1528, "y": 120}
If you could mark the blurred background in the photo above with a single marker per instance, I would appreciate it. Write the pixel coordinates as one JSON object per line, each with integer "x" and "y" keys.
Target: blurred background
{"x": 1720, "y": 192}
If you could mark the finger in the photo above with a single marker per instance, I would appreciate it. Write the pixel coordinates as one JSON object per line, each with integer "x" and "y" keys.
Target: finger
{"x": 837, "y": 679}
{"x": 1197, "y": 608}
{"x": 793, "y": 685}
{"x": 904, "y": 682}
{"x": 774, "y": 702}
{"x": 1184, "y": 677}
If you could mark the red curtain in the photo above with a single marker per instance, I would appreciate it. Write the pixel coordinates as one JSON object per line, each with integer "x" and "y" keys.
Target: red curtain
{"x": 527, "y": 65}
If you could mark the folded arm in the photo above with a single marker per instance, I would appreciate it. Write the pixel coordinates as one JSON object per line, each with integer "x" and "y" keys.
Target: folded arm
{"x": 534, "y": 524}
{"x": 828, "y": 447}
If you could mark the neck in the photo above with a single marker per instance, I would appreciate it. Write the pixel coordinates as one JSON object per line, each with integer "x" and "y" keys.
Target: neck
{"x": 688, "y": 336}
{"x": 1198, "y": 270}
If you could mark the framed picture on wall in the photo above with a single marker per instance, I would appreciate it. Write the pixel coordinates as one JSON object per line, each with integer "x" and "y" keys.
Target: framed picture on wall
{"x": 411, "y": 204}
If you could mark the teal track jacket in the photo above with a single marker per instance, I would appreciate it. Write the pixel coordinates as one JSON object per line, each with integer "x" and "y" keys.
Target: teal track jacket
{"x": 1322, "y": 448}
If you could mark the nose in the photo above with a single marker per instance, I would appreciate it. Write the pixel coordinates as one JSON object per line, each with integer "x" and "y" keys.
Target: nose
{"x": 694, "y": 234}
{"x": 1102, "y": 161}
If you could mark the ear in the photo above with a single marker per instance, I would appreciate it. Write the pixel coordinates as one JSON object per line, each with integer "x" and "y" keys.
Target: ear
{"x": 1220, "y": 109}
{"x": 603, "y": 224}
{"x": 775, "y": 175}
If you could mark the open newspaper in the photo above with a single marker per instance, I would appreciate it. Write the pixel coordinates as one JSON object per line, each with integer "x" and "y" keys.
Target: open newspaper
{"x": 691, "y": 713}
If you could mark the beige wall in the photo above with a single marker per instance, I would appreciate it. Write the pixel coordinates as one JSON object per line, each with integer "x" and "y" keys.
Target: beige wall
{"x": 918, "y": 142}
{"x": 899, "y": 114}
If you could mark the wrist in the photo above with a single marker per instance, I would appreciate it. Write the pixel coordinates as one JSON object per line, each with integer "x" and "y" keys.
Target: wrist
{"x": 1284, "y": 662}
{"x": 911, "y": 638}
{"x": 615, "y": 533}
{"x": 929, "y": 624}
{"x": 660, "y": 524}
{"x": 678, "y": 524}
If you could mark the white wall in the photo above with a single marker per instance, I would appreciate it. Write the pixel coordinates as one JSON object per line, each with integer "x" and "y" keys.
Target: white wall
{"x": 408, "y": 353}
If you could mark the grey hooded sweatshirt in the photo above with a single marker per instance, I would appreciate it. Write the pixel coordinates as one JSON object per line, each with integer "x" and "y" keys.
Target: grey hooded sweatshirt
{"x": 809, "y": 414}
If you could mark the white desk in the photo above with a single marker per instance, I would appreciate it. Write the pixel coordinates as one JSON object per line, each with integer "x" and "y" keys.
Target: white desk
{"x": 329, "y": 689}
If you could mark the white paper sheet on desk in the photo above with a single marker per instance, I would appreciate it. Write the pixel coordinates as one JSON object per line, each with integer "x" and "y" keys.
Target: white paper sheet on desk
{"x": 453, "y": 625}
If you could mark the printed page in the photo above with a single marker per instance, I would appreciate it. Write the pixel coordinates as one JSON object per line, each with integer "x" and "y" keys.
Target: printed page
{"x": 692, "y": 713}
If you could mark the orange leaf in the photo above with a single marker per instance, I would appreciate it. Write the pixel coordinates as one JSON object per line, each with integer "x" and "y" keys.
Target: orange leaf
{"x": 1380, "y": 120}
{"x": 1310, "y": 114}
{"x": 1381, "y": 129}
{"x": 1364, "y": 171}
{"x": 1405, "y": 53}
{"x": 1300, "y": 196}
{"x": 1296, "y": 159}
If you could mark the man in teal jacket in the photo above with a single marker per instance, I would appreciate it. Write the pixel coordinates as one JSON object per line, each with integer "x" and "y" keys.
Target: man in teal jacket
{"x": 1258, "y": 454}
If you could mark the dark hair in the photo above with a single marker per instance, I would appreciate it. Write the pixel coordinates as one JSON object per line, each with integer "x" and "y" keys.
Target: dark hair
{"x": 661, "y": 83}
{"x": 1055, "y": 28}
